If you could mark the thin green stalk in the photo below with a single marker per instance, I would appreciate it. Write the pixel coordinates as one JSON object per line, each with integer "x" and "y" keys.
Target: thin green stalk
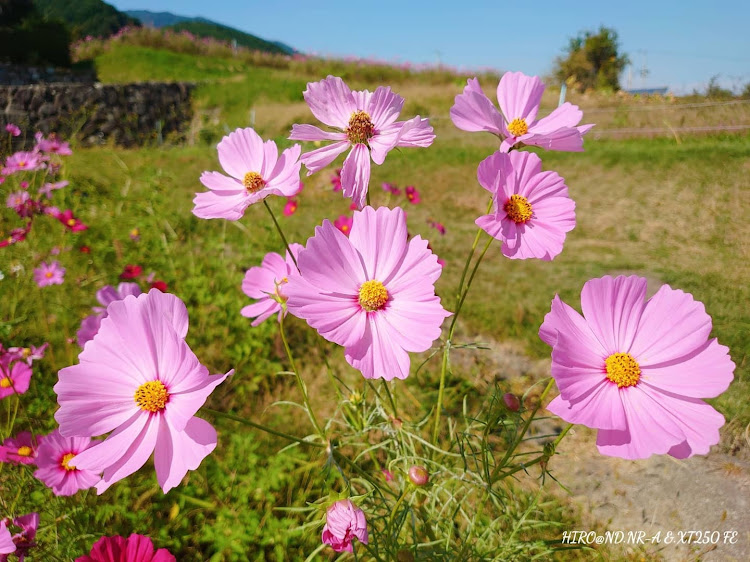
{"x": 281, "y": 233}
{"x": 524, "y": 429}
{"x": 261, "y": 427}
{"x": 395, "y": 508}
{"x": 390, "y": 398}
{"x": 300, "y": 384}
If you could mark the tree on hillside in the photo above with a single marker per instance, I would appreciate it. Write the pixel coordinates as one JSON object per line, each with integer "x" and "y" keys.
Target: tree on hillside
{"x": 592, "y": 61}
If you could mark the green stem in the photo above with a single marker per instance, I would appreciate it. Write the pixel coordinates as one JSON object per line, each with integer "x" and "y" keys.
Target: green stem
{"x": 395, "y": 508}
{"x": 524, "y": 429}
{"x": 390, "y": 398}
{"x": 300, "y": 383}
{"x": 281, "y": 233}
{"x": 261, "y": 427}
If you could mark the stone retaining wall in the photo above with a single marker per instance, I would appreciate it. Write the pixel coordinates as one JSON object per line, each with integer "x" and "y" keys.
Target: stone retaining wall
{"x": 20, "y": 75}
{"x": 126, "y": 114}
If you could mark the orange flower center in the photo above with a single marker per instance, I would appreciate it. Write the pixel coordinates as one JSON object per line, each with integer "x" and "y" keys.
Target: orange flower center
{"x": 6, "y": 382}
{"x": 152, "y": 396}
{"x": 518, "y": 209}
{"x": 518, "y": 127}
{"x": 622, "y": 369}
{"x": 66, "y": 460}
{"x": 71, "y": 222}
{"x": 48, "y": 274}
{"x": 372, "y": 295}
{"x": 360, "y": 128}
{"x": 24, "y": 451}
{"x": 253, "y": 182}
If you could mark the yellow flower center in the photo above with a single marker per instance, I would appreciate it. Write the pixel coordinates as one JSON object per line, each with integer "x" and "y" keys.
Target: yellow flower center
{"x": 360, "y": 128}
{"x": 22, "y": 164}
{"x": 518, "y": 209}
{"x": 253, "y": 182}
{"x": 151, "y": 396}
{"x": 48, "y": 274}
{"x": 518, "y": 127}
{"x": 372, "y": 295}
{"x": 622, "y": 369}
{"x": 65, "y": 460}
{"x": 24, "y": 451}
{"x": 26, "y": 352}
{"x": 71, "y": 222}
{"x": 6, "y": 382}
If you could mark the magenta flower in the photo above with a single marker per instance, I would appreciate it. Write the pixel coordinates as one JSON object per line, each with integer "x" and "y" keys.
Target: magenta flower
{"x": 149, "y": 386}
{"x": 336, "y": 180}
{"x": 14, "y": 130}
{"x": 439, "y": 226}
{"x": 24, "y": 540}
{"x": 56, "y": 469}
{"x": 70, "y": 222}
{"x": 413, "y": 195}
{"x": 636, "y": 370}
{"x": 373, "y": 293}
{"x": 368, "y": 124}
{"x": 17, "y": 200}
{"x": 290, "y": 207}
{"x": 21, "y": 449}
{"x": 344, "y": 224}
{"x": 52, "y": 145}
{"x": 23, "y": 162}
{"x": 49, "y": 274}
{"x": 265, "y": 284}
{"x": 255, "y": 171}
{"x": 105, "y": 296}
{"x": 391, "y": 188}
{"x": 136, "y": 548}
{"x": 28, "y": 354}
{"x": 48, "y": 188}
{"x": 531, "y": 210}
{"x": 519, "y": 97}
{"x": 15, "y": 376}
{"x": 344, "y": 522}
{"x": 7, "y": 546}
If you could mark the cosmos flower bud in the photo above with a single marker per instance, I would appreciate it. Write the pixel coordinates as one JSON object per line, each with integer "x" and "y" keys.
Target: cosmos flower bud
{"x": 511, "y": 401}
{"x": 419, "y": 475}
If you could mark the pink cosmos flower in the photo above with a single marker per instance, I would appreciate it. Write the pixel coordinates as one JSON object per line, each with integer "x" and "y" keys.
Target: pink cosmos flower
{"x": 28, "y": 354}
{"x": 255, "y": 171}
{"x": 49, "y": 274}
{"x": 14, "y": 130}
{"x": 56, "y": 469}
{"x": 336, "y": 180}
{"x": 23, "y": 540}
{"x": 439, "y": 226}
{"x": 413, "y": 195}
{"x": 48, "y": 188}
{"x": 70, "y": 222}
{"x": 519, "y": 97}
{"x": 52, "y": 145}
{"x": 7, "y": 546}
{"x": 373, "y": 293}
{"x": 531, "y": 210}
{"x": 21, "y": 449}
{"x": 17, "y": 200}
{"x": 344, "y": 523}
{"x": 23, "y": 162}
{"x": 391, "y": 188}
{"x": 636, "y": 370}
{"x": 368, "y": 122}
{"x": 291, "y": 207}
{"x": 136, "y": 548}
{"x": 15, "y": 376}
{"x": 264, "y": 283}
{"x": 105, "y": 296}
{"x": 344, "y": 224}
{"x": 149, "y": 385}
{"x": 16, "y": 235}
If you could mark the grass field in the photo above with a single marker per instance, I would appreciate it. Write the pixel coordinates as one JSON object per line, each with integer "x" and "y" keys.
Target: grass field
{"x": 676, "y": 213}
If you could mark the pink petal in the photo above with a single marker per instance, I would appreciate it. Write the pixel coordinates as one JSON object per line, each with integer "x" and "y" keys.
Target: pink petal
{"x": 613, "y": 308}
{"x": 212, "y": 205}
{"x": 568, "y": 140}
{"x": 320, "y": 158}
{"x": 180, "y": 451}
{"x": 519, "y": 96}
{"x": 355, "y": 175}
{"x": 417, "y": 272}
{"x": 600, "y": 408}
{"x": 218, "y": 182}
{"x": 283, "y": 179}
{"x": 566, "y": 115}
{"x": 312, "y": 133}
{"x": 563, "y": 319}
{"x": 494, "y": 171}
{"x": 416, "y": 132}
{"x": 576, "y": 367}
{"x": 383, "y": 107}
{"x": 473, "y": 111}
{"x": 378, "y": 354}
{"x": 331, "y": 101}
{"x": 240, "y": 152}
{"x": 380, "y": 254}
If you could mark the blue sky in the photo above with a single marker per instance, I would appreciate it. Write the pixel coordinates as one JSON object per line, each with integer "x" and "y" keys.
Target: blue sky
{"x": 681, "y": 44}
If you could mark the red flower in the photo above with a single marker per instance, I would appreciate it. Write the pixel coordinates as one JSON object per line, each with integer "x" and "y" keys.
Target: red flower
{"x": 71, "y": 223}
{"x": 161, "y": 285}
{"x": 84, "y": 250}
{"x": 131, "y": 271}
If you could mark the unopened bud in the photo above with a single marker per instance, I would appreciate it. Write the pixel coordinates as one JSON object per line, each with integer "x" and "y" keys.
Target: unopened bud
{"x": 419, "y": 475}
{"x": 512, "y": 402}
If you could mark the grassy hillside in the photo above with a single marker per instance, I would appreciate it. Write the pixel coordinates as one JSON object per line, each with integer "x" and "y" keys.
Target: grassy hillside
{"x": 86, "y": 17}
{"x": 224, "y": 33}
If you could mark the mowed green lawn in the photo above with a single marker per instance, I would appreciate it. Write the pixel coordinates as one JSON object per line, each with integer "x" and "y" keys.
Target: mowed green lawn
{"x": 676, "y": 213}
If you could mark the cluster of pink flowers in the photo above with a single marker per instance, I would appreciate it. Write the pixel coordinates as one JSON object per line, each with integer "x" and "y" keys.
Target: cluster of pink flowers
{"x": 21, "y": 542}
{"x": 136, "y": 548}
